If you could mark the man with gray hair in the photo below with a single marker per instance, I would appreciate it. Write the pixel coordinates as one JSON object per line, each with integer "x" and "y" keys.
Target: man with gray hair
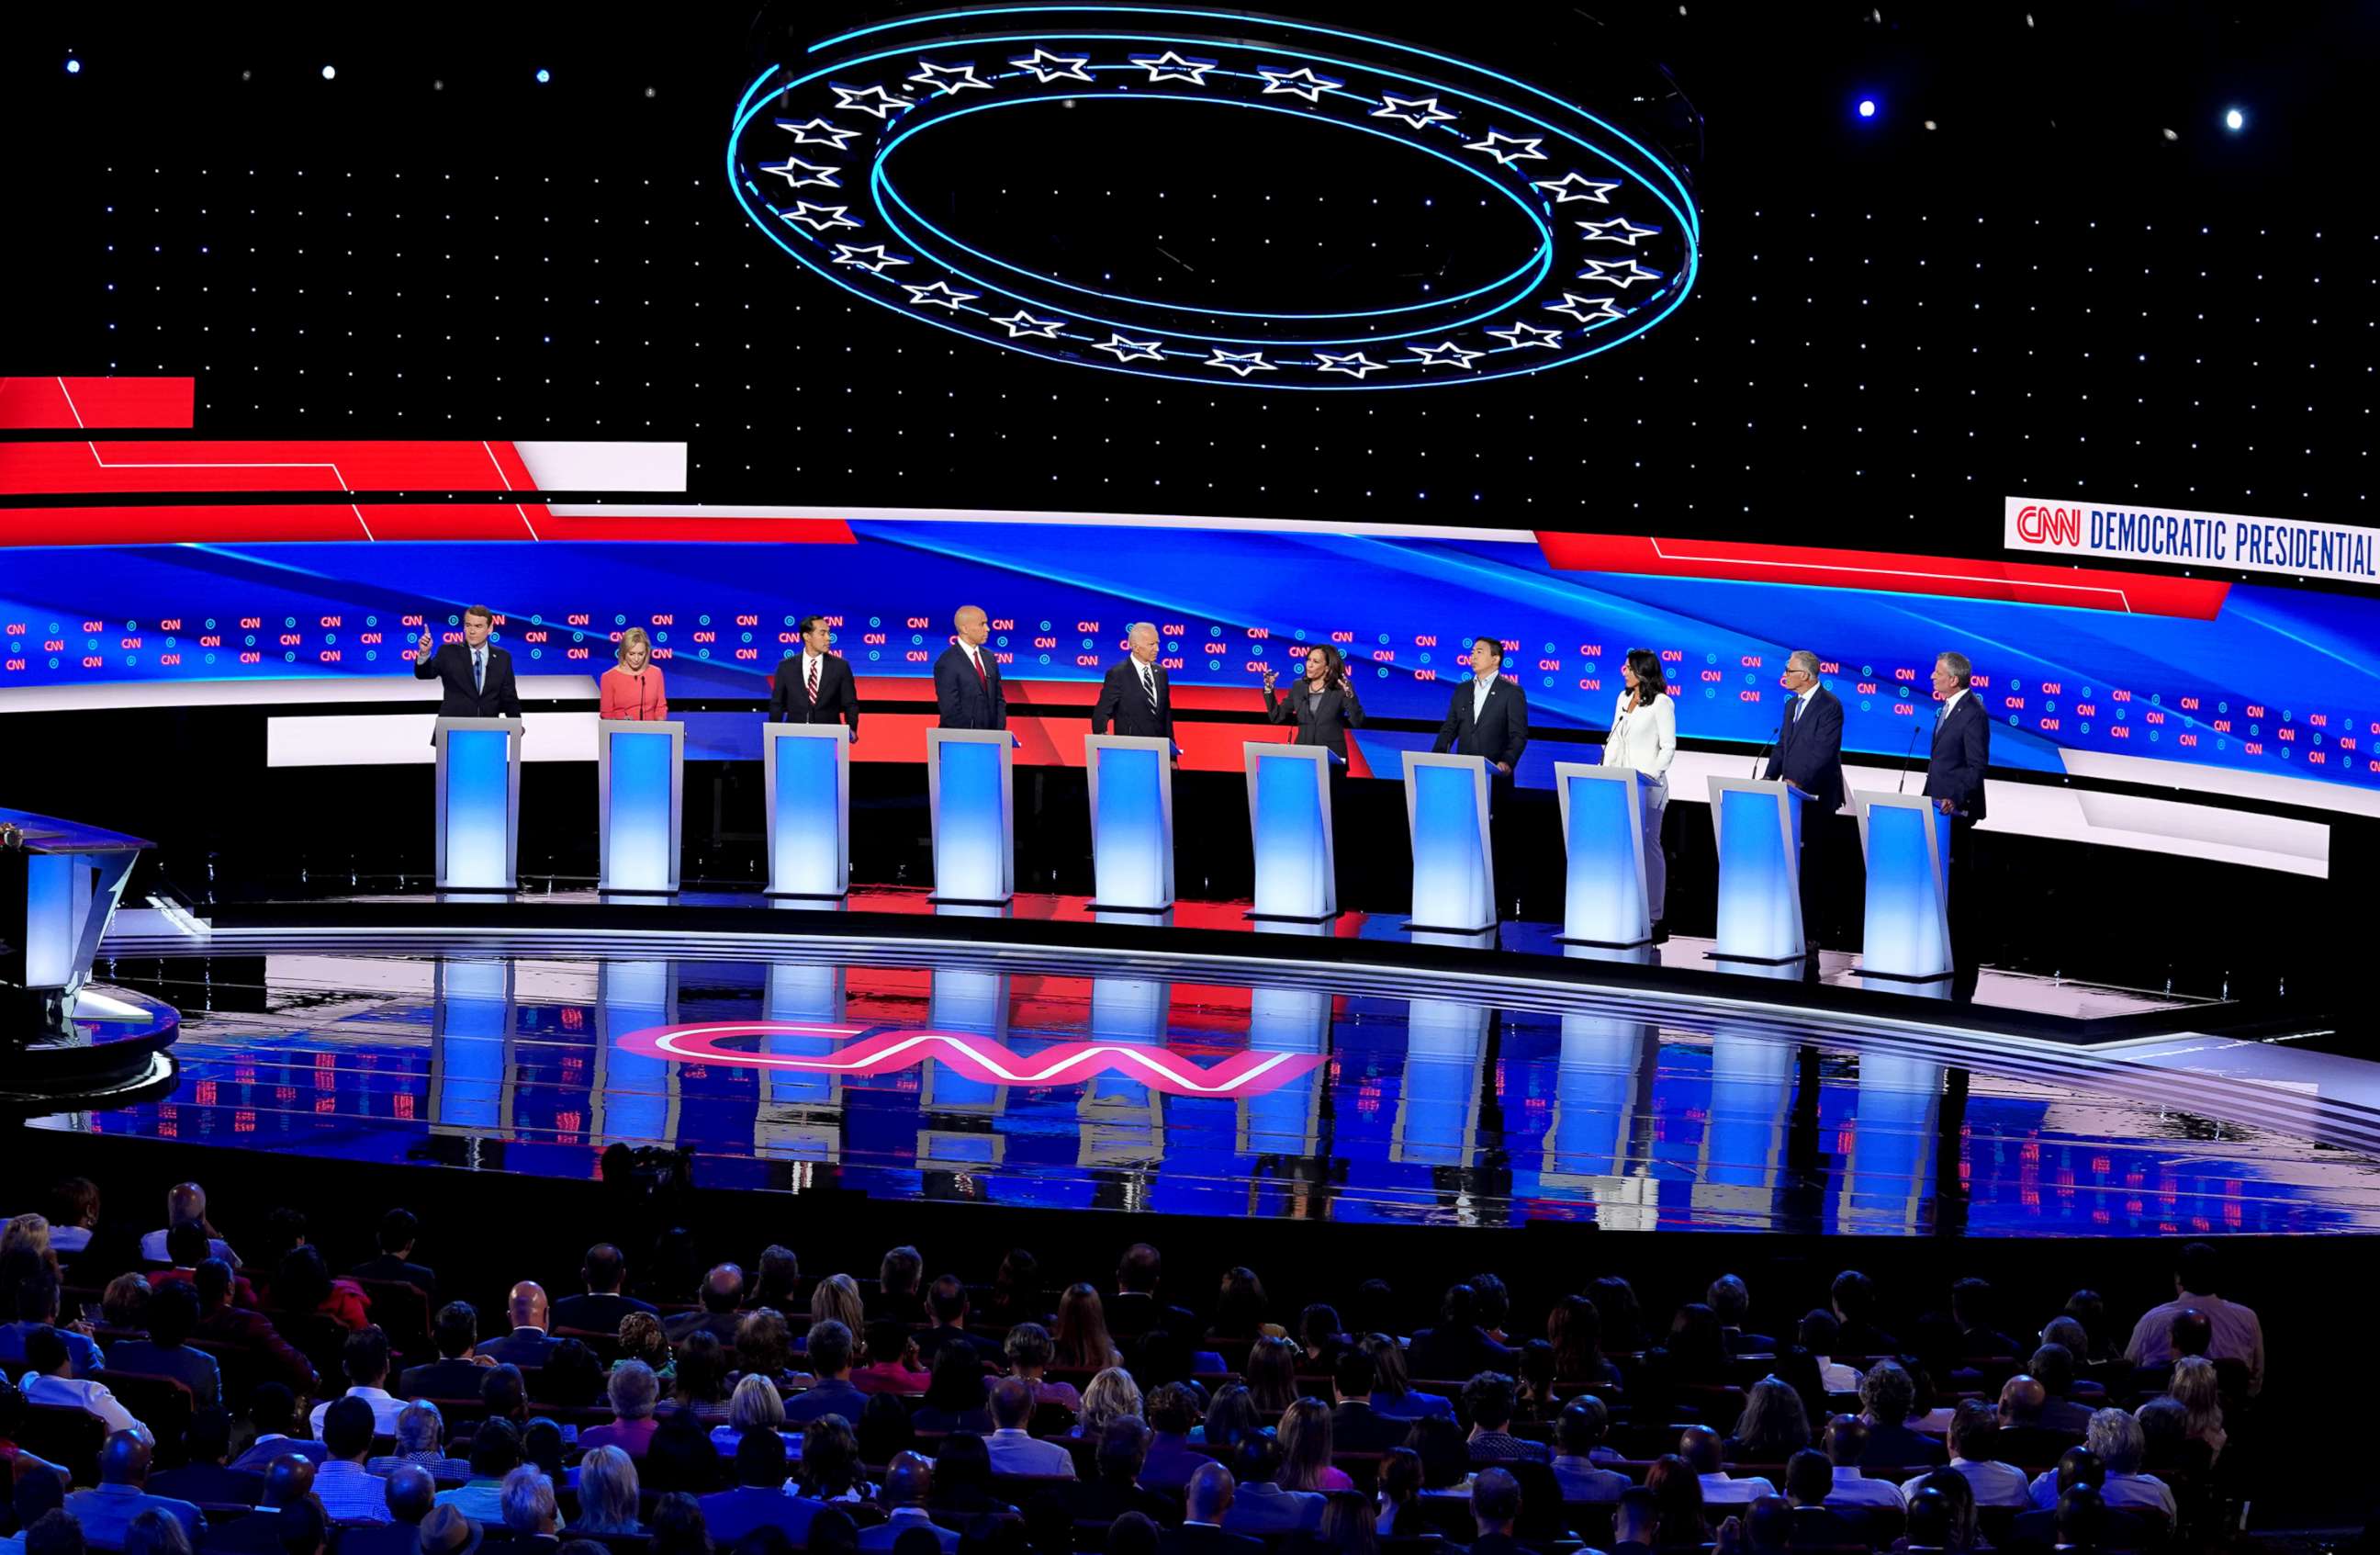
{"x": 2116, "y": 1441}
{"x": 968, "y": 691}
{"x": 1136, "y": 698}
{"x": 1808, "y": 757}
{"x": 530, "y": 1514}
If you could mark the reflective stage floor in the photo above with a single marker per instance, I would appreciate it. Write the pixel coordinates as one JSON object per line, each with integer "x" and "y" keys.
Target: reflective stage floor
{"x": 1049, "y": 1080}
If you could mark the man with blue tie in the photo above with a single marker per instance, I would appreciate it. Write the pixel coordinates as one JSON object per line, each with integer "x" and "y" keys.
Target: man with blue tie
{"x": 1809, "y": 756}
{"x": 1954, "y": 781}
{"x": 475, "y": 675}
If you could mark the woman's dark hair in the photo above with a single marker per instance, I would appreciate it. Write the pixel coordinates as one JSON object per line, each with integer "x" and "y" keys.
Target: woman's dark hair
{"x": 1576, "y": 1330}
{"x": 1318, "y": 1330}
{"x": 884, "y": 1429}
{"x": 1696, "y": 1344}
{"x": 830, "y": 1462}
{"x": 1232, "y": 1418}
{"x": 1239, "y": 1305}
{"x": 1677, "y": 1491}
{"x": 678, "y": 1527}
{"x": 962, "y": 1471}
{"x": 1623, "y": 1319}
{"x": 573, "y": 1375}
{"x": 1401, "y": 1475}
{"x": 1649, "y": 683}
{"x": 1445, "y": 1457}
{"x": 957, "y": 1384}
{"x": 701, "y": 1375}
{"x": 762, "y": 1344}
{"x": 1333, "y": 665}
{"x": 1537, "y": 1375}
{"x": 302, "y": 1282}
{"x": 679, "y": 1457}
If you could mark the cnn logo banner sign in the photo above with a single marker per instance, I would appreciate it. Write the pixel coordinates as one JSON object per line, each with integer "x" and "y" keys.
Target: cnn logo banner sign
{"x": 2194, "y": 541}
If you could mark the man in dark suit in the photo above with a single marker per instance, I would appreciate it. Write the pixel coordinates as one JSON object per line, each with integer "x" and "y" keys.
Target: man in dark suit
{"x": 814, "y": 686}
{"x": 723, "y": 1299}
{"x": 967, "y": 683}
{"x": 1808, "y": 755}
{"x": 288, "y": 1483}
{"x": 476, "y": 675}
{"x": 400, "y": 1229}
{"x": 1458, "y": 1346}
{"x": 529, "y": 1344}
{"x": 1136, "y": 698}
{"x": 759, "y": 1498}
{"x": 1495, "y": 1507}
{"x": 946, "y": 1298}
{"x": 1209, "y": 1499}
{"x": 1809, "y": 1480}
{"x": 455, "y": 1374}
{"x": 207, "y": 1479}
{"x": 1134, "y": 1310}
{"x": 1355, "y": 1424}
{"x": 1962, "y": 748}
{"x": 1487, "y": 715}
{"x": 1634, "y": 1520}
{"x": 600, "y": 1309}
{"x": 267, "y": 1356}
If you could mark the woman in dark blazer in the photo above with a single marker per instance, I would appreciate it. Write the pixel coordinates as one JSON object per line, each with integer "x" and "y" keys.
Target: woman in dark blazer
{"x": 1322, "y": 702}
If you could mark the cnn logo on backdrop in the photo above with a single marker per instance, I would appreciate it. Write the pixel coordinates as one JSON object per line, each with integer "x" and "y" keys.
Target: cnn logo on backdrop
{"x": 2041, "y": 524}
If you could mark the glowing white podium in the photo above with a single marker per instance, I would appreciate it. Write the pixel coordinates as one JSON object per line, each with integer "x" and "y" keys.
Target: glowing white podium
{"x": 1906, "y": 842}
{"x": 1605, "y": 902}
{"x": 1132, "y": 822}
{"x": 1446, "y": 815}
{"x": 477, "y": 803}
{"x": 805, "y": 772}
{"x": 640, "y": 776}
{"x": 1758, "y": 827}
{"x": 968, "y": 793}
{"x": 1289, "y": 821}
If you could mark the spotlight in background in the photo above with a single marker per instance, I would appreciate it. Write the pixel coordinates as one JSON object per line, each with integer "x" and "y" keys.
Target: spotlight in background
{"x": 2234, "y": 120}
{"x": 330, "y": 72}
{"x": 543, "y": 75}
{"x": 1867, "y": 107}
{"x": 74, "y": 66}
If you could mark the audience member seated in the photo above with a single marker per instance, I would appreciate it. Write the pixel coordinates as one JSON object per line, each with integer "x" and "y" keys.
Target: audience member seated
{"x": 2235, "y": 1334}
{"x": 1772, "y": 1428}
{"x": 633, "y": 1390}
{"x": 1400, "y": 1477}
{"x": 2115, "y": 1439}
{"x": 1809, "y": 1482}
{"x": 1699, "y": 1446}
{"x": 37, "y": 1312}
{"x": 1457, "y": 1347}
{"x": 421, "y": 1436}
{"x": 2052, "y": 1365}
{"x": 186, "y": 1246}
{"x": 1169, "y": 1458}
{"x": 1029, "y": 1351}
{"x": 1231, "y": 1418}
{"x": 1259, "y": 1505}
{"x": 410, "y": 1496}
{"x": 155, "y": 1531}
{"x": 1208, "y": 1505}
{"x": 908, "y": 1484}
{"x": 349, "y": 1492}
{"x": 607, "y": 1494}
{"x": 495, "y": 1453}
{"x": 1853, "y": 1297}
{"x": 1112, "y": 1395}
{"x": 457, "y": 1372}
{"x": 1495, "y": 1507}
{"x": 1134, "y": 1309}
{"x": 123, "y": 1306}
{"x": 1821, "y": 1335}
{"x": 1575, "y": 1328}
{"x": 1488, "y": 1399}
{"x": 1887, "y": 1396}
{"x": 1394, "y": 1397}
{"x": 755, "y": 1407}
{"x": 1010, "y": 1443}
{"x": 172, "y": 1318}
{"x": 1355, "y": 1426}
{"x": 107, "y": 1509}
{"x": 531, "y": 1515}
{"x": 49, "y": 1380}
{"x": 831, "y": 1468}
{"x": 1845, "y": 1444}
{"x": 302, "y": 1286}
{"x": 955, "y": 1397}
{"x": 1082, "y": 1340}
{"x": 641, "y": 1340}
{"x": 679, "y": 1528}
{"x": 264, "y": 1354}
{"x": 832, "y": 1391}
{"x": 896, "y": 1295}
{"x": 1730, "y": 1301}
{"x": 2195, "y": 1390}
{"x": 74, "y": 1218}
{"x": 2079, "y": 1468}
{"x": 1635, "y": 1523}
{"x": 1678, "y": 1493}
{"x": 1578, "y": 1438}
{"x": 1118, "y": 1484}
{"x": 1973, "y": 1426}
{"x": 599, "y": 1307}
{"x": 529, "y": 1344}
{"x": 776, "y": 1280}
{"x": 1306, "y": 1447}
{"x": 186, "y": 1204}
{"x": 947, "y": 1301}
{"x": 764, "y": 1347}
{"x": 399, "y": 1230}
{"x": 1972, "y": 1310}
{"x": 364, "y": 1359}
{"x": 722, "y": 1300}
{"x": 206, "y": 1477}
{"x": 759, "y": 1495}
{"x": 273, "y": 1420}
{"x": 699, "y": 1385}
{"x": 2022, "y": 1437}
{"x": 1958, "y": 1499}
{"x": 1349, "y": 1525}
{"x": 288, "y": 1484}
{"x": 892, "y": 1358}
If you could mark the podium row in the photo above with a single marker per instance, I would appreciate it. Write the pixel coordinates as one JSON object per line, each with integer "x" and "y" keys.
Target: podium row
{"x": 969, "y": 790}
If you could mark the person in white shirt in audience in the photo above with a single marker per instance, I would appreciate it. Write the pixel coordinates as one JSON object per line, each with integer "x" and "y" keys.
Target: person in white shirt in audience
{"x": 365, "y": 1360}
{"x": 1012, "y": 1449}
{"x": 348, "y": 1491}
{"x": 49, "y": 1381}
{"x": 1846, "y": 1442}
{"x": 186, "y": 1204}
{"x": 2237, "y": 1334}
{"x": 1699, "y": 1446}
{"x": 1972, "y": 1424}
{"x": 2117, "y": 1440}
{"x": 1818, "y": 1335}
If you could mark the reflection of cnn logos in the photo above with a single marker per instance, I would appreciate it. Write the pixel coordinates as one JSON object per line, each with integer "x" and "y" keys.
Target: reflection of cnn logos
{"x": 2040, "y": 524}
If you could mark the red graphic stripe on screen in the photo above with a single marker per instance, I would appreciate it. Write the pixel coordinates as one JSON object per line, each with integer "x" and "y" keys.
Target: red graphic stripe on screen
{"x": 129, "y": 466}
{"x": 293, "y": 523}
{"x": 2138, "y": 593}
{"x": 981, "y": 1059}
{"x": 157, "y": 404}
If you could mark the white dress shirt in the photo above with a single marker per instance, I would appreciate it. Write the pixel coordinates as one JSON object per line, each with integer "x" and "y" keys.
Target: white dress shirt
{"x": 1803, "y": 698}
{"x": 812, "y": 666}
{"x": 1646, "y": 739}
{"x": 1994, "y": 1483}
{"x": 2235, "y": 1333}
{"x": 1854, "y": 1489}
{"x": 386, "y": 1408}
{"x": 1726, "y": 1489}
{"x": 2121, "y": 1492}
{"x": 1948, "y": 702}
{"x": 82, "y": 1393}
{"x": 1480, "y": 685}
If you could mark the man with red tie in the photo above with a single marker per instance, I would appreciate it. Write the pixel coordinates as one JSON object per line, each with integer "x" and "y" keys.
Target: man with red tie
{"x": 967, "y": 682}
{"x": 814, "y": 686}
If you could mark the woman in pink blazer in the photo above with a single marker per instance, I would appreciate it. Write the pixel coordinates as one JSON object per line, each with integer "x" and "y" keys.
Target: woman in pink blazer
{"x": 634, "y": 690}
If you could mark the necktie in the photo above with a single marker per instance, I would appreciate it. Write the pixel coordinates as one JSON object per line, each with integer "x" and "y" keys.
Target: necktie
{"x": 814, "y": 680}
{"x": 982, "y": 679}
{"x": 479, "y": 669}
{"x": 1148, "y": 689}
{"x": 1799, "y": 703}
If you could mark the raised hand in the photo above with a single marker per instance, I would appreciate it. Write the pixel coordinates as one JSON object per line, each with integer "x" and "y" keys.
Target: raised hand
{"x": 429, "y": 643}
{"x": 1268, "y": 678}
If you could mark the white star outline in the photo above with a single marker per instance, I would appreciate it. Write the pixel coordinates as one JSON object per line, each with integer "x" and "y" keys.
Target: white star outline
{"x": 1239, "y": 363}
{"x": 1430, "y": 111}
{"x": 940, "y": 293}
{"x": 832, "y": 216}
{"x": 1619, "y": 273}
{"x": 1575, "y": 186}
{"x": 1131, "y": 350}
{"x": 1602, "y": 306}
{"x": 887, "y": 103}
{"x": 1522, "y": 334}
{"x": 1628, "y": 233}
{"x": 1021, "y": 323}
{"x": 848, "y": 253}
{"x": 1300, "y": 82}
{"x": 1355, "y": 364}
{"x": 793, "y": 170}
{"x": 949, "y": 79}
{"x": 1496, "y": 141}
{"x": 1047, "y": 66}
{"x": 829, "y": 134}
{"x": 1446, "y": 353}
{"x": 1172, "y": 66}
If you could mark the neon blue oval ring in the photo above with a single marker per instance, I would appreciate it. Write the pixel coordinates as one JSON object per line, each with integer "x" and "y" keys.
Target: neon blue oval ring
{"x": 839, "y": 215}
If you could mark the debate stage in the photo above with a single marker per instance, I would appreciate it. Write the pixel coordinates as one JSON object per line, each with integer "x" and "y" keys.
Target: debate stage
{"x": 1052, "y": 1056}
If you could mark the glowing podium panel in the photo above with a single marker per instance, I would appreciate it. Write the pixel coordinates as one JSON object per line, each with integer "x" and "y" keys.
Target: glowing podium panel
{"x": 969, "y": 792}
{"x": 805, "y": 772}
{"x": 1758, "y": 827}
{"x": 58, "y": 889}
{"x": 1289, "y": 821}
{"x": 1132, "y": 822}
{"x": 478, "y": 802}
{"x": 1446, "y": 814}
{"x": 1606, "y": 899}
{"x": 1906, "y": 842}
{"x": 640, "y": 776}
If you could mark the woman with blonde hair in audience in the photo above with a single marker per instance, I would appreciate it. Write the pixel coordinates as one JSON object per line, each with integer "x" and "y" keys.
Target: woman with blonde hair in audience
{"x": 2193, "y": 1387}
{"x": 124, "y": 1305}
{"x": 837, "y": 1297}
{"x": 755, "y": 1407}
{"x": 607, "y": 1494}
{"x": 763, "y": 1346}
{"x": 1112, "y": 1395}
{"x": 1082, "y": 1342}
{"x": 1305, "y": 1448}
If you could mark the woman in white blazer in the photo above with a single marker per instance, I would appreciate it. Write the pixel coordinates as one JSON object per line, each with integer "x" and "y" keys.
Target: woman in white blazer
{"x": 1645, "y": 736}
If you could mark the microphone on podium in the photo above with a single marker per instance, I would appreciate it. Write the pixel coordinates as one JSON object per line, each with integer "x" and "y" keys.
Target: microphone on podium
{"x": 1903, "y": 786}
